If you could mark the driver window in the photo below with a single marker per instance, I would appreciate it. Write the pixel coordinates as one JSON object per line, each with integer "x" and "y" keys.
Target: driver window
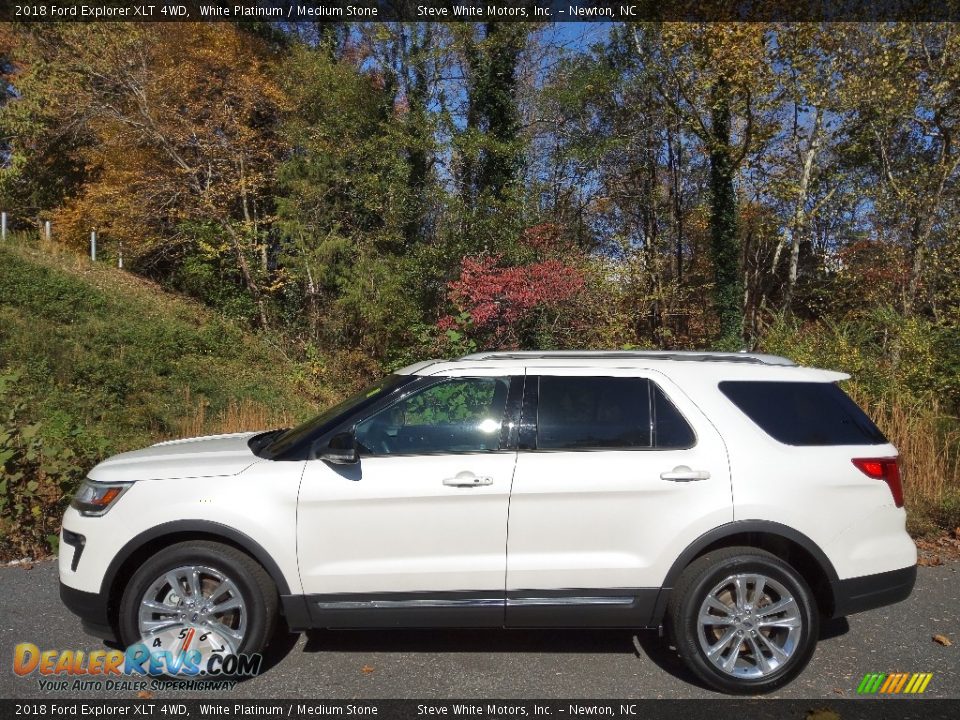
{"x": 459, "y": 415}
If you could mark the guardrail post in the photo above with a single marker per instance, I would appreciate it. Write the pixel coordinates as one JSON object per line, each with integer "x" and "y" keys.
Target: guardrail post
{"x": 3, "y": 227}
{"x": 93, "y": 245}
{"x": 47, "y": 230}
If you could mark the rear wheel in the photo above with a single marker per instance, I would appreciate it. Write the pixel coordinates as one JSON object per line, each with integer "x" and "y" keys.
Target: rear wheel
{"x": 743, "y": 620}
{"x": 203, "y": 592}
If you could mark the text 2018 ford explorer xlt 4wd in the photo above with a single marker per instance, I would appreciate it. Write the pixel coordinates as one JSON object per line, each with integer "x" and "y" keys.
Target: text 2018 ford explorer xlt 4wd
{"x": 735, "y": 499}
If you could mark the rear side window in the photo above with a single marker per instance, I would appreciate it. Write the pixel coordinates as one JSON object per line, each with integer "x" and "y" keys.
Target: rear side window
{"x": 803, "y": 413}
{"x": 593, "y": 413}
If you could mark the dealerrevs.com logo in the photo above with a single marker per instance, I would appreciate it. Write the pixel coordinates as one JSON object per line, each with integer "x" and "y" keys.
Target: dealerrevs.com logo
{"x": 192, "y": 657}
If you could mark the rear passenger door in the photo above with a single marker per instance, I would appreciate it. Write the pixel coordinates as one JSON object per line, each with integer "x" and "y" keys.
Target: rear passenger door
{"x": 617, "y": 472}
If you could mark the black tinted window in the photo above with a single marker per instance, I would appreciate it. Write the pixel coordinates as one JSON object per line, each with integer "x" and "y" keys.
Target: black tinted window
{"x": 460, "y": 415}
{"x": 593, "y": 412}
{"x": 582, "y": 413}
{"x": 804, "y": 413}
{"x": 670, "y": 430}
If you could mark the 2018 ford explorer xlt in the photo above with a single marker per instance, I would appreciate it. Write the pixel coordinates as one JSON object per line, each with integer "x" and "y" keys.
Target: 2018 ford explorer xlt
{"x": 735, "y": 499}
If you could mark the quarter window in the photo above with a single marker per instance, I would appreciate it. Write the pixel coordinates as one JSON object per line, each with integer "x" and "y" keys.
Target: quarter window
{"x": 587, "y": 413}
{"x": 803, "y": 413}
{"x": 670, "y": 430}
{"x": 458, "y": 415}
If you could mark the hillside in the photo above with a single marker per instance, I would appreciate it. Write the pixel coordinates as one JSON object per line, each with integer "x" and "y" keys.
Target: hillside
{"x": 94, "y": 361}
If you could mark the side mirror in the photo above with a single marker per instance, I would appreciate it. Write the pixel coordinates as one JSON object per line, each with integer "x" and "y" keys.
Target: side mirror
{"x": 341, "y": 450}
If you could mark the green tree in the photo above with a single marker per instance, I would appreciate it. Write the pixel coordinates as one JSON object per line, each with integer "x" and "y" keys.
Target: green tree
{"x": 345, "y": 203}
{"x": 717, "y": 78}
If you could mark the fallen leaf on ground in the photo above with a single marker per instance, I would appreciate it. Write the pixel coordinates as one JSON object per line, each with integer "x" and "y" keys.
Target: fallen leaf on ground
{"x": 930, "y": 561}
{"x": 367, "y": 669}
{"x": 822, "y": 714}
{"x": 145, "y": 695}
{"x": 942, "y": 640}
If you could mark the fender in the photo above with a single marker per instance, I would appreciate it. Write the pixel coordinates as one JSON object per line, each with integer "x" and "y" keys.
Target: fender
{"x": 206, "y": 527}
{"x": 738, "y": 527}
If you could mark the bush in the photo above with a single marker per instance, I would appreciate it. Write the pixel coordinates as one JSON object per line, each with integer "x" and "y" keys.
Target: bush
{"x": 883, "y": 352}
{"x": 39, "y": 470}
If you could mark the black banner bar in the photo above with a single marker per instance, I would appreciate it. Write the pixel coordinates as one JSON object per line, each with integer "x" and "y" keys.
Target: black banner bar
{"x": 297, "y": 11}
{"x": 758, "y": 709}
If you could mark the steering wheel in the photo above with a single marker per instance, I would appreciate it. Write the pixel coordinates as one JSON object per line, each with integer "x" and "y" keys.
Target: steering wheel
{"x": 376, "y": 439}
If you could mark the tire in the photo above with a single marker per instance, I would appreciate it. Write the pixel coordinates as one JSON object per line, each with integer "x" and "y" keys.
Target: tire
{"x": 239, "y": 581}
{"x": 772, "y": 647}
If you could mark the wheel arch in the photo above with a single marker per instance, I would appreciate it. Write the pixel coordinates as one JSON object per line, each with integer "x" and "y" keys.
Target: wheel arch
{"x": 790, "y": 545}
{"x": 151, "y": 541}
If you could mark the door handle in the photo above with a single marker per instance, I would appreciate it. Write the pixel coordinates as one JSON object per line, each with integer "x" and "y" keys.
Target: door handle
{"x": 467, "y": 479}
{"x": 682, "y": 473}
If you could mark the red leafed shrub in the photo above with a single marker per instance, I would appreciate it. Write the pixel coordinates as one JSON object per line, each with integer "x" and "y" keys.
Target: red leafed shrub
{"x": 502, "y": 302}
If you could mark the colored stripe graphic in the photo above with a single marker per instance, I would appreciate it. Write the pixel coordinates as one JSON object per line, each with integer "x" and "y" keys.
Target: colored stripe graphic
{"x": 890, "y": 683}
{"x": 894, "y": 683}
{"x": 903, "y": 680}
{"x": 871, "y": 683}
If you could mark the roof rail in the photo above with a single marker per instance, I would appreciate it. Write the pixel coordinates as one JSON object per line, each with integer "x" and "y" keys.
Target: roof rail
{"x": 688, "y": 355}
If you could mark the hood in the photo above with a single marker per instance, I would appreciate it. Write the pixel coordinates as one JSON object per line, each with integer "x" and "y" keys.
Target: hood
{"x": 210, "y": 456}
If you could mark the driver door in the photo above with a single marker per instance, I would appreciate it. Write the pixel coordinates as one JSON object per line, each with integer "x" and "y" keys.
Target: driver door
{"x": 415, "y": 532}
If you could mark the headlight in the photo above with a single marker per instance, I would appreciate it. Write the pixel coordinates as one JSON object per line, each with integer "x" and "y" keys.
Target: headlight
{"x": 94, "y": 499}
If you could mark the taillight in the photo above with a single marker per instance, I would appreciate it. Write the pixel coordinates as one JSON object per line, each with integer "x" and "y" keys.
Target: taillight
{"x": 886, "y": 469}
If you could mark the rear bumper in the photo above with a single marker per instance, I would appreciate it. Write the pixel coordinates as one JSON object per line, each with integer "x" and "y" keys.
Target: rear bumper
{"x": 872, "y": 591}
{"x": 92, "y": 610}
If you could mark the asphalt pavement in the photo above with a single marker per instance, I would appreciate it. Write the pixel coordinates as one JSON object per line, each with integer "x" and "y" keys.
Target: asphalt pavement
{"x": 511, "y": 664}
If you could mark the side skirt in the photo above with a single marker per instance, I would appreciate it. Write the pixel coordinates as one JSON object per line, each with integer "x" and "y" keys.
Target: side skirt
{"x": 581, "y": 608}
{"x": 570, "y": 608}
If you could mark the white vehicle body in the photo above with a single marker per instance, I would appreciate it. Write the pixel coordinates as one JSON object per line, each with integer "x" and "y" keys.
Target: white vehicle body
{"x": 515, "y": 535}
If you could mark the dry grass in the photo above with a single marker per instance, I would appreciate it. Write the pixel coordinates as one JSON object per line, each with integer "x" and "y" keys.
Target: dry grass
{"x": 931, "y": 466}
{"x": 929, "y": 445}
{"x": 238, "y": 416}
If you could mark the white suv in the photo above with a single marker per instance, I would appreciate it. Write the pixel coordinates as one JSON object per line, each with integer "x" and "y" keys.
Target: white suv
{"x": 734, "y": 499}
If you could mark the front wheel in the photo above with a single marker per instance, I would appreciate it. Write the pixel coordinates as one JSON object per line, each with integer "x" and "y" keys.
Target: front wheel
{"x": 743, "y": 620}
{"x": 201, "y": 594}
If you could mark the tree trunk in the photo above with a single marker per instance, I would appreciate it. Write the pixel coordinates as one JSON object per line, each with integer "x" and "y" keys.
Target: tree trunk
{"x": 799, "y": 222}
{"x": 501, "y": 161}
{"x": 919, "y": 236}
{"x": 418, "y": 95}
{"x": 728, "y": 290}
{"x": 675, "y": 161}
{"x": 248, "y": 279}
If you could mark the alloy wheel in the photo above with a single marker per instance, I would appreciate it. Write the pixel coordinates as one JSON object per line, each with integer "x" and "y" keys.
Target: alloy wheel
{"x": 194, "y": 597}
{"x": 749, "y": 626}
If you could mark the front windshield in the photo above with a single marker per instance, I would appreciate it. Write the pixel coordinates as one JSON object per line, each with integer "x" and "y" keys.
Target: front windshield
{"x": 291, "y": 438}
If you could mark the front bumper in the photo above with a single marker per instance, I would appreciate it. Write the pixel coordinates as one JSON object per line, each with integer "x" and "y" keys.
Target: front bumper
{"x": 92, "y": 609}
{"x": 872, "y": 591}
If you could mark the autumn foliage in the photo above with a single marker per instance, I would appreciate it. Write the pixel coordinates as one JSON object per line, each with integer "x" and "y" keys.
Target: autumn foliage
{"x": 500, "y": 303}
{"x": 373, "y": 194}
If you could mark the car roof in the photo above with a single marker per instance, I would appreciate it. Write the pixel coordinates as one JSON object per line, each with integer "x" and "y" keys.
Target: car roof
{"x": 677, "y": 355}
{"x": 740, "y": 365}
